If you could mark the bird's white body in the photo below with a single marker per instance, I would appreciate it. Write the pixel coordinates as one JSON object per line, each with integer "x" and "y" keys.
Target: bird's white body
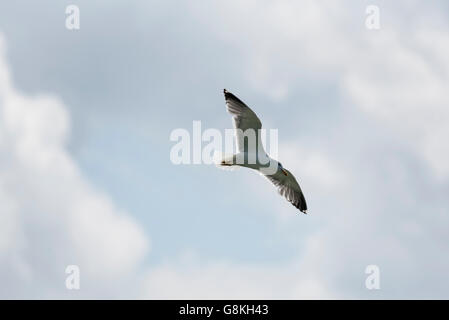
{"x": 261, "y": 161}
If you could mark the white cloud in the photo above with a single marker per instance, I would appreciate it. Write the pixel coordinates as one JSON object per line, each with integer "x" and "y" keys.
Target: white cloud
{"x": 405, "y": 88}
{"x": 51, "y": 216}
{"x": 315, "y": 166}
{"x": 191, "y": 277}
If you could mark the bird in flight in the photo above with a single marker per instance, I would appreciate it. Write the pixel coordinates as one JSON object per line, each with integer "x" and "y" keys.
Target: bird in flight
{"x": 245, "y": 120}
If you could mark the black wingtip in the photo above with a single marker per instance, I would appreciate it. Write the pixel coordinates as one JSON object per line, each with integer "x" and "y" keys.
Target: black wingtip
{"x": 231, "y": 96}
{"x": 301, "y": 208}
{"x": 227, "y": 94}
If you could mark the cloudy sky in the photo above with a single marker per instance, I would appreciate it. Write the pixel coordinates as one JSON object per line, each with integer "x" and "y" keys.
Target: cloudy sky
{"x": 85, "y": 171}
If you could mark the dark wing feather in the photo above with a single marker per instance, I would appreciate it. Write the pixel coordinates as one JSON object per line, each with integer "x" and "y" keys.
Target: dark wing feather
{"x": 289, "y": 188}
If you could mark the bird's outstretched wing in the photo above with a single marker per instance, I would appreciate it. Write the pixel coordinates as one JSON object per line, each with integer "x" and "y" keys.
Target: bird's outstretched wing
{"x": 244, "y": 118}
{"x": 289, "y": 188}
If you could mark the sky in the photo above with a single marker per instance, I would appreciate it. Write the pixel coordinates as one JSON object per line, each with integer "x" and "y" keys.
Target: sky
{"x": 85, "y": 172}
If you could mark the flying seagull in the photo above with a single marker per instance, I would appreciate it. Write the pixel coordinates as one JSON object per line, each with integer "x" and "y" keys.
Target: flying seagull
{"x": 244, "y": 118}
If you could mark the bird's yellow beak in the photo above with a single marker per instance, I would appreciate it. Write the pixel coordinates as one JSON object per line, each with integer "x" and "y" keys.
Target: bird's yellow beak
{"x": 284, "y": 172}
